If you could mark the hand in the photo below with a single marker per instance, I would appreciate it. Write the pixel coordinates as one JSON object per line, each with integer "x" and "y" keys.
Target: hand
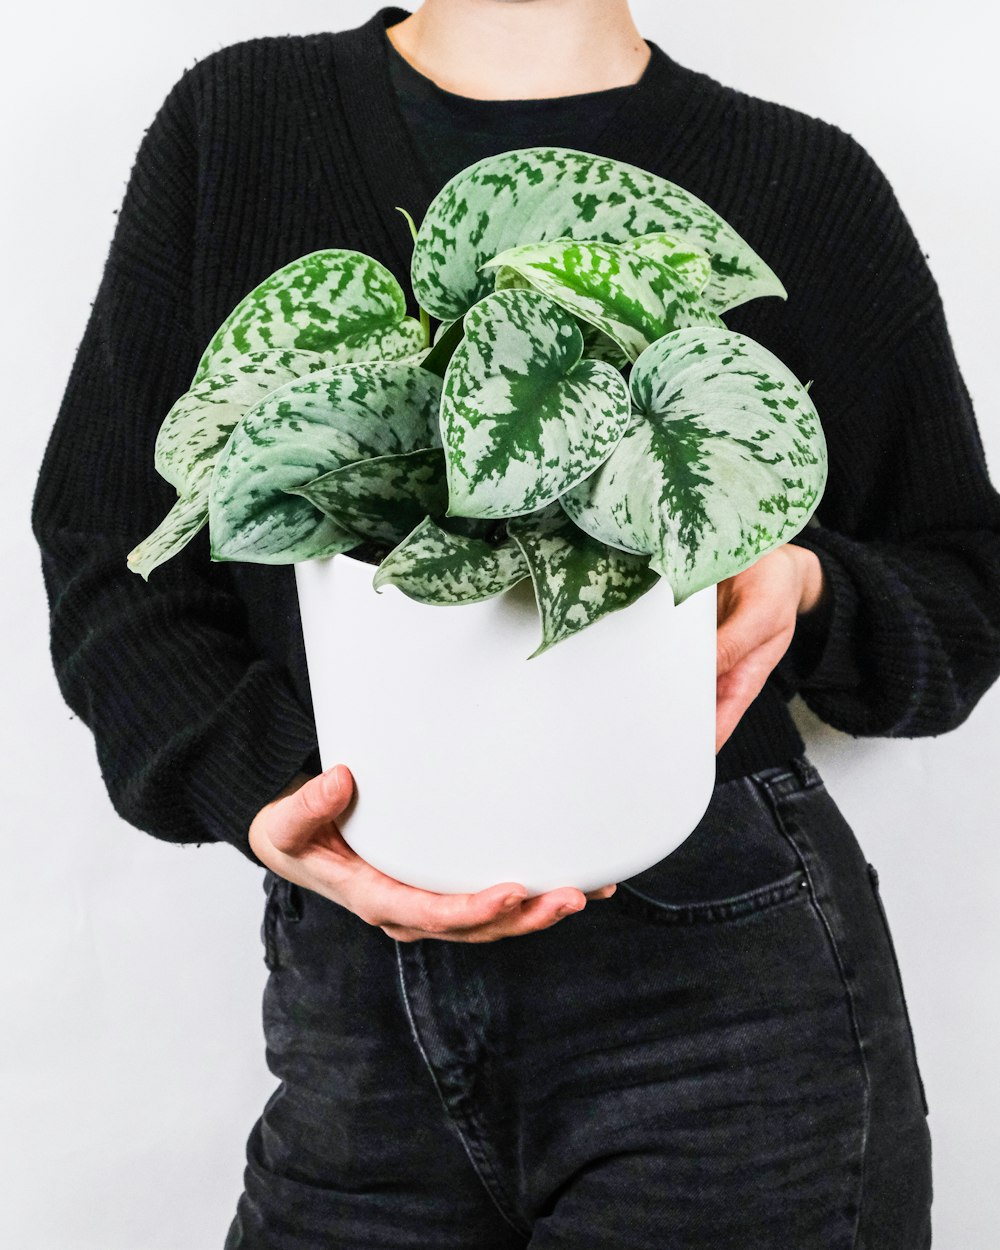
{"x": 295, "y": 835}
{"x": 756, "y": 612}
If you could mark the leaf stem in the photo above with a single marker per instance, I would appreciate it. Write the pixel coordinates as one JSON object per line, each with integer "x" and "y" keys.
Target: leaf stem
{"x": 425, "y": 320}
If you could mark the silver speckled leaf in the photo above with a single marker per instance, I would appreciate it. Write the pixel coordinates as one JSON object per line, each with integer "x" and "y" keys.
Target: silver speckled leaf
{"x": 303, "y": 430}
{"x": 437, "y": 567}
{"x": 577, "y": 579}
{"x": 529, "y": 195}
{"x": 339, "y": 302}
{"x": 383, "y": 498}
{"x": 724, "y": 459}
{"x": 523, "y": 415}
{"x": 633, "y": 295}
{"x": 193, "y": 434}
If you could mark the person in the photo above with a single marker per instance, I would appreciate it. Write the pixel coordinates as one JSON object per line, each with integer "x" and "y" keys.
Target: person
{"x": 715, "y": 1052}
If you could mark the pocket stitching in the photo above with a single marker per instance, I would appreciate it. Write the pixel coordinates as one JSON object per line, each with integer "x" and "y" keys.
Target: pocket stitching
{"x": 752, "y": 902}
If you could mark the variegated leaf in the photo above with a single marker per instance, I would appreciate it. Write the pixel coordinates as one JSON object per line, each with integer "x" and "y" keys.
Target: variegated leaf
{"x": 175, "y": 531}
{"x": 630, "y": 294}
{"x": 303, "y": 430}
{"x": 692, "y": 263}
{"x": 385, "y": 497}
{"x": 724, "y": 459}
{"x": 437, "y": 567}
{"x": 523, "y": 416}
{"x": 530, "y": 195}
{"x": 193, "y": 434}
{"x": 438, "y": 356}
{"x": 596, "y": 344}
{"x": 339, "y": 302}
{"x": 196, "y": 428}
{"x": 577, "y": 579}
{"x": 600, "y": 346}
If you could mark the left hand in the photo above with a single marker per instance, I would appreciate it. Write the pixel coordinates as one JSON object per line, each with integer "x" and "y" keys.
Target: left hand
{"x": 756, "y": 611}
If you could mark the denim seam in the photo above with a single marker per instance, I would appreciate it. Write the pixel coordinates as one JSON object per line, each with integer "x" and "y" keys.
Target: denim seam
{"x": 478, "y": 1164}
{"x": 751, "y": 903}
{"x": 873, "y": 882}
{"x": 787, "y": 823}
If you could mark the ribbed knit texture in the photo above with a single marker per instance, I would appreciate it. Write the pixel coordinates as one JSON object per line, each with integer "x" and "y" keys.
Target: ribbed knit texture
{"x": 194, "y": 683}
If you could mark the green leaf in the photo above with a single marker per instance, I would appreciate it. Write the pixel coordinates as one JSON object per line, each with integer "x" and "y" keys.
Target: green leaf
{"x": 634, "y": 296}
{"x": 197, "y": 427}
{"x": 303, "y": 430}
{"x": 436, "y": 567}
{"x": 385, "y": 497}
{"x": 438, "y": 356}
{"x": 577, "y": 579}
{"x": 338, "y": 302}
{"x": 523, "y": 416}
{"x": 692, "y": 263}
{"x": 530, "y": 195}
{"x": 194, "y": 432}
{"x": 596, "y": 344}
{"x": 175, "y": 531}
{"x": 723, "y": 460}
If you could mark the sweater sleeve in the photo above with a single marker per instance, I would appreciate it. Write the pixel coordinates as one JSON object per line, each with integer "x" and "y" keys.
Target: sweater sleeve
{"x": 194, "y": 732}
{"x": 908, "y": 529}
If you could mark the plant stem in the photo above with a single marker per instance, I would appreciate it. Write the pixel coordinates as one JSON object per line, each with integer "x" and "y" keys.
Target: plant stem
{"x": 425, "y": 320}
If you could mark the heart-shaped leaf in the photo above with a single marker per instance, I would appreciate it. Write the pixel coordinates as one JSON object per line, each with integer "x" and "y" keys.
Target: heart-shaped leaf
{"x": 303, "y": 430}
{"x": 530, "y": 195}
{"x": 577, "y": 579}
{"x": 383, "y": 498}
{"x": 723, "y": 460}
{"x": 634, "y": 296}
{"x": 434, "y": 566}
{"x": 523, "y": 416}
{"x": 193, "y": 434}
{"x": 338, "y": 302}
{"x": 596, "y": 344}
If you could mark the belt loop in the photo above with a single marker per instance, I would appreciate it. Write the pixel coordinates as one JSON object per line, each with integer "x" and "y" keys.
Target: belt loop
{"x": 805, "y": 770}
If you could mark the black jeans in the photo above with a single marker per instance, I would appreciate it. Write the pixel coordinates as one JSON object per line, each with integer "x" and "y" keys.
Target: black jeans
{"x": 718, "y": 1057}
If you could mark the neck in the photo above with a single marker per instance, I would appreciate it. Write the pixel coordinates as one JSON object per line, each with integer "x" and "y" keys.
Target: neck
{"x": 523, "y": 49}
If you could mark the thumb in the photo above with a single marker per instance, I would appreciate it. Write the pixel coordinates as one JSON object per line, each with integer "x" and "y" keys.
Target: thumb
{"x": 315, "y": 804}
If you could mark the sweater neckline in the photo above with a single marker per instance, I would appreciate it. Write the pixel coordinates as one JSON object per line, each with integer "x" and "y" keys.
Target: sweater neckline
{"x": 397, "y": 175}
{"x": 469, "y": 110}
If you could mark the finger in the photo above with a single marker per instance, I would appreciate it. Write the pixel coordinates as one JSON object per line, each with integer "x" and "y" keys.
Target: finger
{"x": 755, "y": 619}
{"x": 737, "y": 688}
{"x": 605, "y": 891}
{"x": 312, "y": 808}
{"x": 540, "y": 912}
{"x": 382, "y": 900}
{"x": 443, "y": 914}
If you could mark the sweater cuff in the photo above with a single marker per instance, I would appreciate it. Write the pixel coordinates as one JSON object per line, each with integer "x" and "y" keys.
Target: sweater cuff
{"x": 823, "y": 652}
{"x": 232, "y": 784}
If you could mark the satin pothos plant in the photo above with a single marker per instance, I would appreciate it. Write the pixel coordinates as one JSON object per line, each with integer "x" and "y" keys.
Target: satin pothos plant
{"x": 582, "y": 417}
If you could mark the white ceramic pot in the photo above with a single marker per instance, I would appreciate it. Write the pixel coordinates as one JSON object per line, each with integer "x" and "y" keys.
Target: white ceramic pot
{"x": 475, "y": 765}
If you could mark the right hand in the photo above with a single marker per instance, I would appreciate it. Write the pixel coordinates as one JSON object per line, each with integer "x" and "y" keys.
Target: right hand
{"x": 295, "y": 835}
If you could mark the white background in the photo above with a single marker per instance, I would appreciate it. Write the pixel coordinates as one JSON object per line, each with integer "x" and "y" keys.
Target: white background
{"x": 131, "y": 1058}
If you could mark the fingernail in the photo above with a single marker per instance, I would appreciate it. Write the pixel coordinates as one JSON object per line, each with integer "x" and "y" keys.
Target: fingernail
{"x": 569, "y": 907}
{"x": 511, "y": 899}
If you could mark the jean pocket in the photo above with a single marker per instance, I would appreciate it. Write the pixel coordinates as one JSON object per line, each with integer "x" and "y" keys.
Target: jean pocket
{"x": 735, "y": 862}
{"x": 898, "y": 977}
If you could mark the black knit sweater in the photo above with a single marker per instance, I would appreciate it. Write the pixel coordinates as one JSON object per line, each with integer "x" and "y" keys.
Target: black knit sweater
{"x": 194, "y": 683}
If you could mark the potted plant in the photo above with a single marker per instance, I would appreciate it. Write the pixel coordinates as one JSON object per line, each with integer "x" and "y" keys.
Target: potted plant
{"x": 582, "y": 434}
